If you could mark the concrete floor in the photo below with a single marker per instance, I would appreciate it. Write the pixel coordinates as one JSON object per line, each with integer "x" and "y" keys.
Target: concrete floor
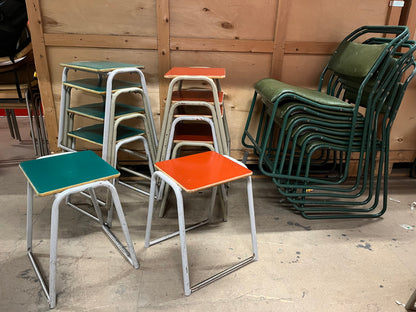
{"x": 323, "y": 265}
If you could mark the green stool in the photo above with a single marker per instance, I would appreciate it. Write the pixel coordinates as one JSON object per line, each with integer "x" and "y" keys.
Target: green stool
{"x": 62, "y": 175}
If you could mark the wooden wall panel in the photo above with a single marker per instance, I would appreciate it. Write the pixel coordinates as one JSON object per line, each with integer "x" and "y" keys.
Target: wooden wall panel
{"x": 232, "y": 19}
{"x": 104, "y": 17}
{"x": 330, "y": 21}
{"x": 303, "y": 70}
{"x": 286, "y": 39}
{"x": 403, "y": 134}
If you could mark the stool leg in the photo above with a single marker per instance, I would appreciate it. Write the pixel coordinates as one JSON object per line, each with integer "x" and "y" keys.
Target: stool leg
{"x": 131, "y": 257}
{"x": 29, "y": 226}
{"x": 96, "y": 206}
{"x": 252, "y": 217}
{"x": 184, "y": 253}
{"x": 214, "y": 191}
{"x": 150, "y": 209}
{"x": 29, "y": 237}
{"x": 53, "y": 249}
{"x": 181, "y": 221}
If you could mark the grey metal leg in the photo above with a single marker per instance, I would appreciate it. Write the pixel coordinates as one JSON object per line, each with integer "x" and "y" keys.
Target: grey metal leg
{"x": 188, "y": 289}
{"x": 410, "y": 305}
{"x": 129, "y": 254}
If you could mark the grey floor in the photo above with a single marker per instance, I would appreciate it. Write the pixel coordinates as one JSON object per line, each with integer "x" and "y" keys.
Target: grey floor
{"x": 324, "y": 265}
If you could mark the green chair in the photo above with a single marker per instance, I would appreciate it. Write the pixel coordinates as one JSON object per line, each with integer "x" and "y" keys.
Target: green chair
{"x": 302, "y": 131}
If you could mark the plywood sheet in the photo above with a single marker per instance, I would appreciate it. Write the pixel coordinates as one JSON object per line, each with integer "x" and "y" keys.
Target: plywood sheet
{"x": 231, "y": 19}
{"x": 137, "y": 17}
{"x": 303, "y": 70}
{"x": 331, "y": 21}
{"x": 403, "y": 133}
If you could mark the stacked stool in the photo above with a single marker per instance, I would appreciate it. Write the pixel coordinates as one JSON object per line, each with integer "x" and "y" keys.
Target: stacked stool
{"x": 108, "y": 132}
{"x": 196, "y": 103}
{"x": 190, "y": 102}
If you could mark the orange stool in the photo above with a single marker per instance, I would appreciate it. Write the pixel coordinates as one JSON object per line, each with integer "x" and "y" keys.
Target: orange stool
{"x": 192, "y": 174}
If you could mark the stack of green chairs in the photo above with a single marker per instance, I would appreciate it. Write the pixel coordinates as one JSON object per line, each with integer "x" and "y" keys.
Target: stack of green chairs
{"x": 306, "y": 139}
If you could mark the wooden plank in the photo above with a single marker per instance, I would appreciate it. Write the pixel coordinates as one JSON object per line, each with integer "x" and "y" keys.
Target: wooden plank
{"x": 408, "y": 17}
{"x": 101, "y": 41}
{"x": 104, "y": 17}
{"x": 163, "y": 46}
{"x": 223, "y": 45}
{"x": 42, "y": 69}
{"x": 280, "y": 38}
{"x": 310, "y": 47}
{"x": 393, "y": 15}
{"x": 217, "y": 19}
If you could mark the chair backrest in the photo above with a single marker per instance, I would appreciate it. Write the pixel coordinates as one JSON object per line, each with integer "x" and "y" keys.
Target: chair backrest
{"x": 358, "y": 67}
{"x": 13, "y": 32}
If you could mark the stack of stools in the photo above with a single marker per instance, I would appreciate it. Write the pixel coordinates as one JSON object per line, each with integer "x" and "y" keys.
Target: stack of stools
{"x": 108, "y": 133}
{"x": 62, "y": 175}
{"x": 186, "y": 108}
{"x": 197, "y": 102}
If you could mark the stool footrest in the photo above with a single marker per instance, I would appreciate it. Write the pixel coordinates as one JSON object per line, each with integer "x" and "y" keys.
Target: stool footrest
{"x": 39, "y": 275}
{"x": 83, "y": 211}
{"x": 124, "y": 252}
{"x": 166, "y": 237}
{"x": 223, "y": 273}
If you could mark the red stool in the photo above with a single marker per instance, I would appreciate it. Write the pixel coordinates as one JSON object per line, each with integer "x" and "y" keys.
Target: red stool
{"x": 191, "y": 174}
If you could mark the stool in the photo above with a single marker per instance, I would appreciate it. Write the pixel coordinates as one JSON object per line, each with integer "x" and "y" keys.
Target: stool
{"x": 62, "y": 175}
{"x": 192, "y": 174}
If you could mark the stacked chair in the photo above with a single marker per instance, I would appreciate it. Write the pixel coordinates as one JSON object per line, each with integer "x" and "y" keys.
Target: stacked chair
{"x": 307, "y": 140}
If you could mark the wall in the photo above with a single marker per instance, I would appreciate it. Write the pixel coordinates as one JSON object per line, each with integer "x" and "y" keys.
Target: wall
{"x": 287, "y": 40}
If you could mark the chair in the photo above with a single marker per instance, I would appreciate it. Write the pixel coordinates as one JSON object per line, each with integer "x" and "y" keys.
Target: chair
{"x": 62, "y": 175}
{"x": 184, "y": 174}
{"x": 302, "y": 132}
{"x": 18, "y": 90}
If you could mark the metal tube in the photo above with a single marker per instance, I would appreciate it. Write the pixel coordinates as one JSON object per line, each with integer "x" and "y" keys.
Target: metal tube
{"x": 222, "y": 273}
{"x": 39, "y": 275}
{"x": 166, "y": 237}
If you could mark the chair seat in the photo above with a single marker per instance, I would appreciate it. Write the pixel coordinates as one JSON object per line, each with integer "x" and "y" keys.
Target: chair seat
{"x": 97, "y": 110}
{"x": 51, "y": 175}
{"x": 200, "y": 171}
{"x": 271, "y": 89}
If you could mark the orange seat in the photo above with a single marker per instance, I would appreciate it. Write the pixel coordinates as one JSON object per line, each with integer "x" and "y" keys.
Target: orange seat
{"x": 216, "y": 169}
